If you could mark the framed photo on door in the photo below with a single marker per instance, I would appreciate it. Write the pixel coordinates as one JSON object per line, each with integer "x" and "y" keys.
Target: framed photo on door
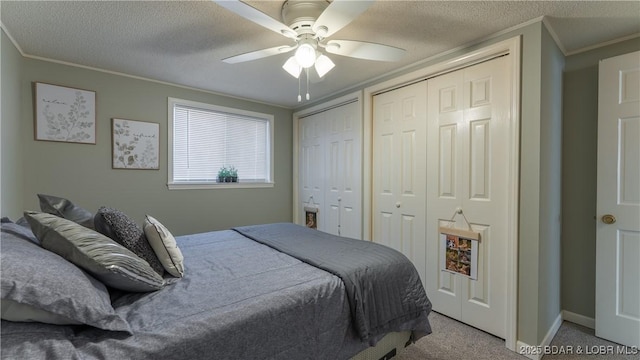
{"x": 459, "y": 253}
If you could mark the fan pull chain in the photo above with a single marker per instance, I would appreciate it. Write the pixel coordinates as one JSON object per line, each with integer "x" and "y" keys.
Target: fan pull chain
{"x": 307, "y": 73}
{"x": 299, "y": 96}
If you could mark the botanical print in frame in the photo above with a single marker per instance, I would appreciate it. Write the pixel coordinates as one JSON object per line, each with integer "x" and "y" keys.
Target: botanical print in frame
{"x": 64, "y": 114}
{"x": 136, "y": 144}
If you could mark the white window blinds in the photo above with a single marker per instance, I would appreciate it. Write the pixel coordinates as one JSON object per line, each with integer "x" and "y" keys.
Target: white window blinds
{"x": 205, "y": 140}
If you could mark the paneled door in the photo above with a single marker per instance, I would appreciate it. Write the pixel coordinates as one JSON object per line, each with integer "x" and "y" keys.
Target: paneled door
{"x": 399, "y": 172}
{"x": 467, "y": 186}
{"x": 343, "y": 171}
{"x": 311, "y": 165}
{"x": 618, "y": 201}
{"x": 330, "y": 169}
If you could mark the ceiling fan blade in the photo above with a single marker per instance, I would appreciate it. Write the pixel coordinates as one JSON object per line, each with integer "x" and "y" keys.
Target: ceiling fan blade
{"x": 364, "y": 50}
{"x": 258, "y": 54}
{"x": 338, "y": 14}
{"x": 257, "y": 17}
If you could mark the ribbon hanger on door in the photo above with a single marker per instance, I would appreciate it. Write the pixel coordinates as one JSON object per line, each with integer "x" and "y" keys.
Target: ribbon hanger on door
{"x": 311, "y": 206}
{"x": 468, "y": 234}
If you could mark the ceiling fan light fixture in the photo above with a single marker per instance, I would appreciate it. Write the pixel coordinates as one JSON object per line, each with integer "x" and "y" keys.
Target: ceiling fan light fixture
{"x": 292, "y": 67}
{"x": 323, "y": 65}
{"x": 305, "y": 55}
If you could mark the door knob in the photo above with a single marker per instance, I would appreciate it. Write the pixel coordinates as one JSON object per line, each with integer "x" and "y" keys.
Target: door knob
{"x": 398, "y": 204}
{"x": 608, "y": 219}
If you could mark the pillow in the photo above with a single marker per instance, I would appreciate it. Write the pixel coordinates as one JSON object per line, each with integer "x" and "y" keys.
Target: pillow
{"x": 7, "y": 226}
{"x": 17, "y": 312}
{"x": 65, "y": 209}
{"x": 164, "y": 244}
{"x": 126, "y": 232}
{"x": 38, "y": 285}
{"x": 102, "y": 257}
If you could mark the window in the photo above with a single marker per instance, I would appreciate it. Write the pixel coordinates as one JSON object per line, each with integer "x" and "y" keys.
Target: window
{"x": 204, "y": 138}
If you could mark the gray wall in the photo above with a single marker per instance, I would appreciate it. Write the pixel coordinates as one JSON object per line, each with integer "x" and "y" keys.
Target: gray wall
{"x": 10, "y": 130}
{"x": 579, "y": 153}
{"x": 83, "y": 172}
{"x": 550, "y": 184}
{"x": 529, "y": 224}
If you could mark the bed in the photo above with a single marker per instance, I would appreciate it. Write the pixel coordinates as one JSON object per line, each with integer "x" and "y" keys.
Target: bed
{"x": 273, "y": 291}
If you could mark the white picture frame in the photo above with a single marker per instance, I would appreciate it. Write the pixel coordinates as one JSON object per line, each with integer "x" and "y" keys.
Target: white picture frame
{"x": 64, "y": 114}
{"x": 135, "y": 144}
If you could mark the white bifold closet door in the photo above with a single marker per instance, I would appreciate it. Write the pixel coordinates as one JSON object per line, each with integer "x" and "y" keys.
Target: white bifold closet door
{"x": 399, "y": 171}
{"x": 467, "y": 162}
{"x": 439, "y": 145}
{"x": 330, "y": 165}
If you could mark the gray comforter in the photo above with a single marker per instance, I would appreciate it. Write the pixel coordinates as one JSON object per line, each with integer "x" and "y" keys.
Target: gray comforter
{"x": 383, "y": 287}
{"x": 238, "y": 300}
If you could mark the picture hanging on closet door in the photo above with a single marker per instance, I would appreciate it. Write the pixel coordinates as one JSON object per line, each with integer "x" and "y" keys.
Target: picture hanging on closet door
{"x": 311, "y": 216}
{"x": 459, "y": 251}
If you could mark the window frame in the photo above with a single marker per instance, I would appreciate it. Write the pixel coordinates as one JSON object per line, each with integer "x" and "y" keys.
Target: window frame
{"x": 173, "y": 185}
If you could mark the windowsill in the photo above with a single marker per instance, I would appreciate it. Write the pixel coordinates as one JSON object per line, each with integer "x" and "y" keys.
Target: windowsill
{"x": 238, "y": 185}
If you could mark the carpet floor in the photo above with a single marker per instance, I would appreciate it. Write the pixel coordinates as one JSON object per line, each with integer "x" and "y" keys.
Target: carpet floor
{"x": 453, "y": 340}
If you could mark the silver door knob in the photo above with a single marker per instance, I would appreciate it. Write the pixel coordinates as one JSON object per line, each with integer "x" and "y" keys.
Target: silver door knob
{"x": 398, "y": 204}
{"x": 608, "y": 219}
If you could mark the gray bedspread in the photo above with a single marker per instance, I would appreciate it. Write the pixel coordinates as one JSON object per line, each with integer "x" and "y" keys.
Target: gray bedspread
{"x": 238, "y": 300}
{"x": 383, "y": 286}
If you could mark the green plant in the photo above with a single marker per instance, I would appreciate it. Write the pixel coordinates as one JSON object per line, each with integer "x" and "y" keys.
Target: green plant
{"x": 228, "y": 174}
{"x": 233, "y": 172}
{"x": 223, "y": 173}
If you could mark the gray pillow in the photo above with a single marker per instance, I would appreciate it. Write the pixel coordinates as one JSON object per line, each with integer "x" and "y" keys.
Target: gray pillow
{"x": 19, "y": 231}
{"x": 97, "y": 254}
{"x": 38, "y": 285}
{"x": 121, "y": 228}
{"x": 64, "y": 208}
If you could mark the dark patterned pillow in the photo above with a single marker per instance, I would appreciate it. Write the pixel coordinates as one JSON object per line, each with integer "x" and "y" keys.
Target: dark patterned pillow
{"x": 121, "y": 228}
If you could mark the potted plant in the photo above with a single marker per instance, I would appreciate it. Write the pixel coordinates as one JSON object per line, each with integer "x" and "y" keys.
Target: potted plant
{"x": 233, "y": 174}
{"x": 227, "y": 174}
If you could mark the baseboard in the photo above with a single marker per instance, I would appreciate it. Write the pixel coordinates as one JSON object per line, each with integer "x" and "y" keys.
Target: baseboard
{"x": 536, "y": 352}
{"x": 579, "y": 319}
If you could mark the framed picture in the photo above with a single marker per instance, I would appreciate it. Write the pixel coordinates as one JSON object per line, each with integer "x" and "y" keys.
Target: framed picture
{"x": 64, "y": 114}
{"x": 311, "y": 217}
{"x": 459, "y": 254}
{"x": 136, "y": 144}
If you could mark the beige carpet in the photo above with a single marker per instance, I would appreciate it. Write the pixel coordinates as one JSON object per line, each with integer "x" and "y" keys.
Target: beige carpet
{"x": 453, "y": 340}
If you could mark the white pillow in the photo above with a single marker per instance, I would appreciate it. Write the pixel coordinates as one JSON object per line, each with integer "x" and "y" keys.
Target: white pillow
{"x": 164, "y": 245}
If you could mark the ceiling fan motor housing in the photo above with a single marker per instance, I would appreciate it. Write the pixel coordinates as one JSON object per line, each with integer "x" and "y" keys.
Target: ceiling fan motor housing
{"x": 300, "y": 15}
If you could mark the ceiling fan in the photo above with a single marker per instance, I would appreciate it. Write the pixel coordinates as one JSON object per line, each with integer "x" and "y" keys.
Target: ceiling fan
{"x": 308, "y": 23}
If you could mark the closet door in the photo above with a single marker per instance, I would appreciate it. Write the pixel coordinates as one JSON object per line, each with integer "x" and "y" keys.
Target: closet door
{"x": 330, "y": 169}
{"x": 468, "y": 122}
{"x": 311, "y": 165}
{"x": 343, "y": 195}
{"x": 399, "y": 173}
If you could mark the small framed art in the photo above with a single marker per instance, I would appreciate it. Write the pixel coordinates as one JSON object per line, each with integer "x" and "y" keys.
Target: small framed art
{"x": 459, "y": 252}
{"x": 311, "y": 217}
{"x": 64, "y": 114}
{"x": 136, "y": 144}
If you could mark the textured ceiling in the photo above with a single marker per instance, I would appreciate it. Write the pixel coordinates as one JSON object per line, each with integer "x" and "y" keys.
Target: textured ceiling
{"x": 183, "y": 42}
